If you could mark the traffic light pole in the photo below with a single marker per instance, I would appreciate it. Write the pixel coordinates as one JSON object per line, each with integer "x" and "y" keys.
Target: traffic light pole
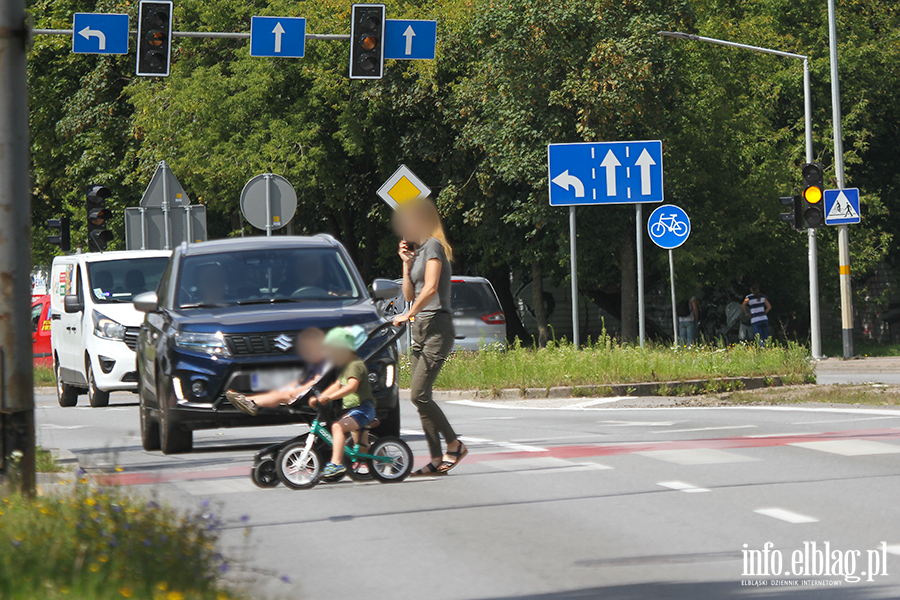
{"x": 843, "y": 232}
{"x": 815, "y": 327}
{"x": 16, "y": 377}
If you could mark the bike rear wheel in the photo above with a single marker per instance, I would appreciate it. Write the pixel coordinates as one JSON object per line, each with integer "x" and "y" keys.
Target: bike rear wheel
{"x": 401, "y": 460}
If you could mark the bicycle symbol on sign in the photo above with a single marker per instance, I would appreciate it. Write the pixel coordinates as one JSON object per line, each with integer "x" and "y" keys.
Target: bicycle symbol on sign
{"x": 668, "y": 223}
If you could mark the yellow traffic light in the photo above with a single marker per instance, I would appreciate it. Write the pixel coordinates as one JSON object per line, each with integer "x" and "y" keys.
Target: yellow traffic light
{"x": 812, "y": 194}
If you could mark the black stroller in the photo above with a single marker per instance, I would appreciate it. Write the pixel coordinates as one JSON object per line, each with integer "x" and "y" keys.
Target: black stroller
{"x": 299, "y": 461}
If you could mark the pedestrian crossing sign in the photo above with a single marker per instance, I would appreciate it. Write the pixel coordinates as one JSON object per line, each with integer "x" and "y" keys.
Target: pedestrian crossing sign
{"x": 403, "y": 186}
{"x": 842, "y": 206}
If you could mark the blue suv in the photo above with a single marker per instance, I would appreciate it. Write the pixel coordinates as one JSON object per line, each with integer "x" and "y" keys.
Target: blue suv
{"x": 226, "y": 316}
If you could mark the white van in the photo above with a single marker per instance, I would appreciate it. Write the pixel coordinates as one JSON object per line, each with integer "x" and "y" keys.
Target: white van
{"x": 94, "y": 326}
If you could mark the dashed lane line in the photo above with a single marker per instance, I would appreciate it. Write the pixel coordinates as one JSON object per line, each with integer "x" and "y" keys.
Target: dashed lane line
{"x": 850, "y": 447}
{"x": 682, "y": 487}
{"x": 707, "y": 429}
{"x": 786, "y": 515}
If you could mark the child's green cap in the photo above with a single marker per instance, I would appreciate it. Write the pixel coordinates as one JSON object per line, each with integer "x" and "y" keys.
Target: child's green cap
{"x": 347, "y": 338}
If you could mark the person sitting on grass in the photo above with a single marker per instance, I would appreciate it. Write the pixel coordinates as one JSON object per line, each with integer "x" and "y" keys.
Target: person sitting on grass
{"x": 311, "y": 350}
{"x": 352, "y": 389}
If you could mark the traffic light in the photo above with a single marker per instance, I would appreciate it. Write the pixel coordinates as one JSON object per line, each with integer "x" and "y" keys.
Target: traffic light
{"x": 59, "y": 235}
{"x": 795, "y": 216}
{"x": 154, "y": 49}
{"x": 367, "y": 41}
{"x": 97, "y": 218}
{"x": 813, "y": 208}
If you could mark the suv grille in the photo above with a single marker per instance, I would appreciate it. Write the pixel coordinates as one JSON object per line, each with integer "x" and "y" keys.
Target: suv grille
{"x": 256, "y": 343}
{"x": 131, "y": 337}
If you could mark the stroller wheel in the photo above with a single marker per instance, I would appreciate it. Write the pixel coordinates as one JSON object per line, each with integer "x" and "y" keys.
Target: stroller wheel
{"x": 264, "y": 473}
{"x": 296, "y": 473}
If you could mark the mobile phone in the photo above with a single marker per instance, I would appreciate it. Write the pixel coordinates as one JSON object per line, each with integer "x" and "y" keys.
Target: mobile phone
{"x": 411, "y": 246}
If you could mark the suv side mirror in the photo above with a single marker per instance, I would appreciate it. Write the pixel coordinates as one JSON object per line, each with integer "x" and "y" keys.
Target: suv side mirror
{"x": 72, "y": 304}
{"x": 385, "y": 289}
{"x": 146, "y": 302}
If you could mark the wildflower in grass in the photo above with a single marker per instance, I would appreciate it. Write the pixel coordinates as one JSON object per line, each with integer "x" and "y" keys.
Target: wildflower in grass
{"x": 94, "y": 567}
{"x": 245, "y": 518}
{"x": 162, "y": 586}
{"x": 125, "y": 591}
{"x": 221, "y": 596}
{"x": 175, "y": 596}
{"x": 285, "y": 579}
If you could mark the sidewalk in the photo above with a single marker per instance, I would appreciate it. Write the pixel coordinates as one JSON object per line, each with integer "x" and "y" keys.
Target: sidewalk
{"x": 882, "y": 370}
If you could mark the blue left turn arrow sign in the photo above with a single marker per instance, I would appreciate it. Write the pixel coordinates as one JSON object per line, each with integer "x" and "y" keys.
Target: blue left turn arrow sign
{"x": 96, "y": 33}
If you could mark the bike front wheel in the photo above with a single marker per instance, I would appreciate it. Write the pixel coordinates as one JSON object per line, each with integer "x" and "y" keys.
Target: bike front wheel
{"x": 296, "y": 473}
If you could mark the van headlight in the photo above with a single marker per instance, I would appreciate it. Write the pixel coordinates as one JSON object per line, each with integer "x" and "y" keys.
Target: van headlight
{"x": 106, "y": 328}
{"x": 206, "y": 343}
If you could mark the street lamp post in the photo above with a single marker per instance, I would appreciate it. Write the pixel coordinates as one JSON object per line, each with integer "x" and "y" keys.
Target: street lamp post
{"x": 815, "y": 327}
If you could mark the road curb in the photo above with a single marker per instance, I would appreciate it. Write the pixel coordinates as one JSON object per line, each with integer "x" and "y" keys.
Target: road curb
{"x": 687, "y": 387}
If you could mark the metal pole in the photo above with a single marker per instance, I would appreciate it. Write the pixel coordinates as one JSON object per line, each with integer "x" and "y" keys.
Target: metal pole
{"x": 574, "y": 264}
{"x": 189, "y": 226}
{"x": 672, "y": 284}
{"x": 639, "y": 222}
{"x": 843, "y": 232}
{"x": 165, "y": 207}
{"x": 268, "y": 179}
{"x": 143, "y": 228}
{"x": 815, "y": 327}
{"x": 208, "y": 34}
{"x": 16, "y": 374}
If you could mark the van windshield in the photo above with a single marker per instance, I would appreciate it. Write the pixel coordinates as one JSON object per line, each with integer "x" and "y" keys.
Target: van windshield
{"x": 122, "y": 280}
{"x": 266, "y": 276}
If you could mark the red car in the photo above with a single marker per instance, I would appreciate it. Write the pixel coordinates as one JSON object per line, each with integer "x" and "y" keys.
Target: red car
{"x": 40, "y": 331}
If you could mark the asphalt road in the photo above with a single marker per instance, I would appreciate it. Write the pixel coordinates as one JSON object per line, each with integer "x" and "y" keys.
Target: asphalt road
{"x": 569, "y": 500}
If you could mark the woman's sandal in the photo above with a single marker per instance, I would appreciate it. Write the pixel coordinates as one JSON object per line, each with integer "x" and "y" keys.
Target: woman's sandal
{"x": 459, "y": 454}
{"x": 426, "y": 471}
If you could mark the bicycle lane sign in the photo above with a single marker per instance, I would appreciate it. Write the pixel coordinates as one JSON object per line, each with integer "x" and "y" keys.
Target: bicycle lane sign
{"x": 669, "y": 226}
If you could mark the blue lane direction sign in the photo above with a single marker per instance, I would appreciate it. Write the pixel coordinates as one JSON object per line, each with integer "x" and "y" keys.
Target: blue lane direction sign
{"x": 96, "y": 33}
{"x": 841, "y": 206}
{"x": 283, "y": 37}
{"x": 605, "y": 173}
{"x": 669, "y": 226}
{"x": 410, "y": 40}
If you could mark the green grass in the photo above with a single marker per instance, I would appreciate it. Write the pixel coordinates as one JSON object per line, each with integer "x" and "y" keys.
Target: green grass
{"x": 606, "y": 361}
{"x": 100, "y": 544}
{"x": 45, "y": 462}
{"x": 835, "y": 348}
{"x": 44, "y": 377}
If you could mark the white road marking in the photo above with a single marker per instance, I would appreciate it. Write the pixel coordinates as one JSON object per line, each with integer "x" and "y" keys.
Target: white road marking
{"x": 786, "y": 515}
{"x": 207, "y": 487}
{"x": 844, "y": 420}
{"x": 707, "y": 429}
{"x": 499, "y": 406}
{"x": 794, "y": 434}
{"x": 682, "y": 487}
{"x": 544, "y": 465}
{"x": 850, "y": 447}
{"x": 511, "y": 446}
{"x": 893, "y": 549}
{"x": 638, "y": 423}
{"x": 696, "y": 456}
{"x": 54, "y": 426}
{"x": 596, "y": 402}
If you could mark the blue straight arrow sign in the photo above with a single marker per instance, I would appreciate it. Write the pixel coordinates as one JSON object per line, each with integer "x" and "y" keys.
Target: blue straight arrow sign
{"x": 410, "y": 40}
{"x": 278, "y": 37}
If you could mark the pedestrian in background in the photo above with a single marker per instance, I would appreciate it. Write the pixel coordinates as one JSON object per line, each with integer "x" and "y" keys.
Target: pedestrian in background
{"x": 757, "y": 307}
{"x": 426, "y": 257}
{"x": 688, "y": 320}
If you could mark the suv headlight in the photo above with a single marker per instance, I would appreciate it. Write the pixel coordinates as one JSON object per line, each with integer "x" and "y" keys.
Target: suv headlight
{"x": 106, "y": 328}
{"x": 207, "y": 343}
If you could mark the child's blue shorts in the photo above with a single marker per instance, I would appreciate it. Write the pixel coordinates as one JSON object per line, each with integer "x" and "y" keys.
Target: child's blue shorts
{"x": 363, "y": 414}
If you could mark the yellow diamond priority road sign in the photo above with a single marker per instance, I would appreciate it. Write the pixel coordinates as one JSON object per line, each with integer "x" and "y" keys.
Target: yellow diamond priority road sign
{"x": 403, "y": 186}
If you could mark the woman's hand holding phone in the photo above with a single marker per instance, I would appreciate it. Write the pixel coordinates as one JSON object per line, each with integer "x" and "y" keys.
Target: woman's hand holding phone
{"x": 407, "y": 251}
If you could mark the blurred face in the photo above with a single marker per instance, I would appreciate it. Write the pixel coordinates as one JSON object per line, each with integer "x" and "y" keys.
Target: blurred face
{"x": 412, "y": 226}
{"x": 311, "y": 350}
{"x": 339, "y": 357}
{"x": 308, "y": 270}
{"x": 212, "y": 285}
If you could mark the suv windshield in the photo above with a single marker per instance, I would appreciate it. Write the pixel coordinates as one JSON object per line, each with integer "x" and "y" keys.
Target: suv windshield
{"x": 265, "y": 276}
{"x": 122, "y": 280}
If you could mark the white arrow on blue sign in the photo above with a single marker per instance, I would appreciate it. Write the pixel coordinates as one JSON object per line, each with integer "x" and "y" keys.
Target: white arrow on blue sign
{"x": 669, "y": 226}
{"x": 605, "y": 173}
{"x": 96, "y": 33}
{"x": 283, "y": 37}
{"x": 410, "y": 40}
{"x": 841, "y": 206}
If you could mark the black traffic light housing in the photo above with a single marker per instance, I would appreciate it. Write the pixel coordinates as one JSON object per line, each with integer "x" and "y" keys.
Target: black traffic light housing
{"x": 811, "y": 196}
{"x": 794, "y": 217}
{"x": 154, "y": 47}
{"x": 97, "y": 217}
{"x": 60, "y": 233}
{"x": 367, "y": 41}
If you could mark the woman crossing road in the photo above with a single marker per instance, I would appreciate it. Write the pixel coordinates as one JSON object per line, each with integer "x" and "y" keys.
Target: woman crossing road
{"x": 426, "y": 257}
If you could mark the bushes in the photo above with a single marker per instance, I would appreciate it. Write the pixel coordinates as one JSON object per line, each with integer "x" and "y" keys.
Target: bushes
{"x": 102, "y": 545}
